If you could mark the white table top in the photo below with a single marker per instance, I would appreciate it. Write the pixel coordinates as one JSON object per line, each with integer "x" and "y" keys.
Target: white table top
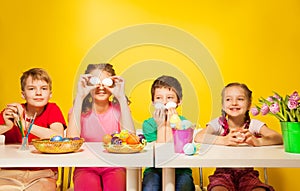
{"x": 226, "y": 156}
{"x": 91, "y": 154}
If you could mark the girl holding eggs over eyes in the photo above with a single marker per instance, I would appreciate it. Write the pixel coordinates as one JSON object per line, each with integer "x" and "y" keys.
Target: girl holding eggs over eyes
{"x": 94, "y": 115}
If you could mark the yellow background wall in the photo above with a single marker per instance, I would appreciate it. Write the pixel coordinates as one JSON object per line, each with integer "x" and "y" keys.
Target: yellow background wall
{"x": 254, "y": 42}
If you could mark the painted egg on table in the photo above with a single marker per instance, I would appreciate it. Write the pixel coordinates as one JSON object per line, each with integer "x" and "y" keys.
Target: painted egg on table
{"x": 76, "y": 138}
{"x": 189, "y": 149}
{"x": 56, "y": 138}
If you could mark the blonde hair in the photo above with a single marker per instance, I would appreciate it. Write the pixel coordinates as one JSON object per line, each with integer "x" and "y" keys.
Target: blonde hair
{"x": 36, "y": 74}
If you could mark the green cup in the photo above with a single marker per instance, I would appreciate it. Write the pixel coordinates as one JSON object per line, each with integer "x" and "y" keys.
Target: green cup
{"x": 291, "y": 136}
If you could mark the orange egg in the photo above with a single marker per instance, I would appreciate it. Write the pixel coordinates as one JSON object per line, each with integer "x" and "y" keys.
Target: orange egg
{"x": 133, "y": 139}
{"x": 107, "y": 138}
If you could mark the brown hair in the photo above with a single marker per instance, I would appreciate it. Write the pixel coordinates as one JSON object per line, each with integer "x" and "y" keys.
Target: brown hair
{"x": 167, "y": 82}
{"x": 248, "y": 92}
{"x": 36, "y": 74}
{"x": 102, "y": 66}
{"x": 87, "y": 102}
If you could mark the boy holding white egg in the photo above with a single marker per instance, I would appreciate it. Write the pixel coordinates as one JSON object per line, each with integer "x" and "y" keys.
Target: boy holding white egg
{"x": 166, "y": 93}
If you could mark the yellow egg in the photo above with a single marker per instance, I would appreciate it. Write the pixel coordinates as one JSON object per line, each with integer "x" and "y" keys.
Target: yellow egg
{"x": 175, "y": 121}
{"x": 174, "y": 118}
{"x": 124, "y": 135}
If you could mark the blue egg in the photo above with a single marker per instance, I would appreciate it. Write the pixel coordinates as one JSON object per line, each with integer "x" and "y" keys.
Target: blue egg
{"x": 56, "y": 138}
{"x": 66, "y": 139}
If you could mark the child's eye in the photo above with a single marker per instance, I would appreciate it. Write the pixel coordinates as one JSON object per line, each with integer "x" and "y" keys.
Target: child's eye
{"x": 45, "y": 88}
{"x": 170, "y": 97}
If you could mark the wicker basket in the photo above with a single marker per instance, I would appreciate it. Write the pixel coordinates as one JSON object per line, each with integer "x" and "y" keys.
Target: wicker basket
{"x": 125, "y": 149}
{"x": 47, "y": 146}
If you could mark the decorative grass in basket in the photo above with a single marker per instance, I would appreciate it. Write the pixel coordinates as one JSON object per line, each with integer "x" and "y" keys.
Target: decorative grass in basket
{"x": 124, "y": 142}
{"x": 57, "y": 144}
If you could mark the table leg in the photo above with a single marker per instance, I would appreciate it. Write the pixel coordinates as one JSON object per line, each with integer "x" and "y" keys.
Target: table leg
{"x": 168, "y": 179}
{"x": 133, "y": 179}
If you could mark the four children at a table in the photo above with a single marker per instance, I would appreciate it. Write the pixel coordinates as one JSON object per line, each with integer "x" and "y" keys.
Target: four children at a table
{"x": 93, "y": 115}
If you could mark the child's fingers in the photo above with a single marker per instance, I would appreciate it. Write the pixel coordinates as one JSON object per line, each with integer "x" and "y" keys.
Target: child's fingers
{"x": 12, "y": 107}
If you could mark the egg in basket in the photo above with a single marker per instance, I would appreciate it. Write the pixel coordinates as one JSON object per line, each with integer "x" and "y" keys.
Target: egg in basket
{"x": 124, "y": 142}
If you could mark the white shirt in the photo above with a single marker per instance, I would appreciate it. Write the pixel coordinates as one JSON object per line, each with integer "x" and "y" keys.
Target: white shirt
{"x": 254, "y": 126}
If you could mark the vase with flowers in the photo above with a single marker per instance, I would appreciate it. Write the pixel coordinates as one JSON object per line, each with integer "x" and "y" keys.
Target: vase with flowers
{"x": 287, "y": 111}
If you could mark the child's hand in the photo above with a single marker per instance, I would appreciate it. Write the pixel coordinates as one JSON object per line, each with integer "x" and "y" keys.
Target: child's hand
{"x": 234, "y": 138}
{"x": 251, "y": 139}
{"x": 159, "y": 115}
{"x": 13, "y": 113}
{"x": 118, "y": 89}
{"x": 84, "y": 87}
{"x": 171, "y": 111}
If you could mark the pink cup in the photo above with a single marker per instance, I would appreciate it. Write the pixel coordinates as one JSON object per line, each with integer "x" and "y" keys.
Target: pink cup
{"x": 182, "y": 137}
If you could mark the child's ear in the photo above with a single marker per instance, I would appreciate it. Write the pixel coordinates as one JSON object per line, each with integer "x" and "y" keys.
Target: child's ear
{"x": 179, "y": 103}
{"x": 50, "y": 95}
{"x": 23, "y": 95}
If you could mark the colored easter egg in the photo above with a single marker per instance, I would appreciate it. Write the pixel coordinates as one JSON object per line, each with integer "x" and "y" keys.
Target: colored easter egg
{"x": 124, "y": 135}
{"x": 133, "y": 139}
{"x": 185, "y": 124}
{"x": 142, "y": 138}
{"x": 66, "y": 139}
{"x": 56, "y": 138}
{"x": 107, "y": 139}
{"x": 116, "y": 141}
{"x": 189, "y": 149}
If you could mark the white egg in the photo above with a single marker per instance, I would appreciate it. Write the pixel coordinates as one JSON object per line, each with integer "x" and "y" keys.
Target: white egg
{"x": 185, "y": 124}
{"x": 171, "y": 104}
{"x": 107, "y": 82}
{"x": 94, "y": 80}
{"x": 159, "y": 105}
